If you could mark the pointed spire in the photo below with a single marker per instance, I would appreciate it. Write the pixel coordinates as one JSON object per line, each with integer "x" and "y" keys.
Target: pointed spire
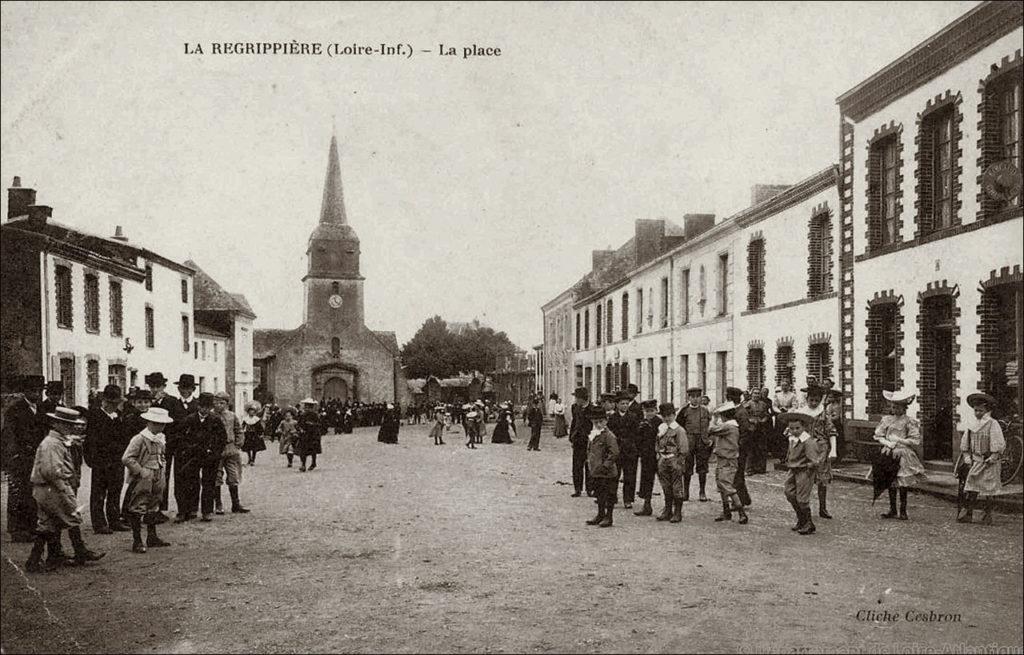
{"x": 332, "y": 210}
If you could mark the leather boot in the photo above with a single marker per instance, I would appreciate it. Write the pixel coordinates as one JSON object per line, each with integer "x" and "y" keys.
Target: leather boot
{"x": 35, "y": 558}
{"x": 702, "y": 478}
{"x": 600, "y": 514}
{"x": 646, "y": 510}
{"x": 55, "y": 557}
{"x": 677, "y": 511}
{"x": 152, "y": 540}
{"x": 799, "y": 516}
{"x": 966, "y": 514}
{"x": 218, "y": 504}
{"x": 136, "y": 523}
{"x": 666, "y": 513}
{"x": 726, "y": 514}
{"x": 686, "y": 488}
{"x": 82, "y": 554}
{"x": 903, "y": 505}
{"x": 607, "y": 522}
{"x": 808, "y": 523}
{"x": 891, "y": 514}
{"x": 236, "y": 506}
{"x": 737, "y": 506}
{"x": 986, "y": 518}
{"x": 822, "y": 502}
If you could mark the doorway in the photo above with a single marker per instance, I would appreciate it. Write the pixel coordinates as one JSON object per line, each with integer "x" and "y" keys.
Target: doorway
{"x": 336, "y": 388}
{"x": 937, "y": 392}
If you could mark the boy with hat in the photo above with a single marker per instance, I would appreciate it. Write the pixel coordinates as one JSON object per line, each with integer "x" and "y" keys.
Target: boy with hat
{"x": 578, "y": 431}
{"x": 24, "y": 429}
{"x": 144, "y": 458}
{"x": 230, "y": 465}
{"x": 802, "y": 459}
{"x": 671, "y": 447}
{"x": 978, "y": 467}
{"x": 742, "y": 417}
{"x": 646, "y": 445}
{"x": 625, "y": 426}
{"x": 603, "y": 465}
{"x": 106, "y": 438}
{"x": 695, "y": 418}
{"x": 900, "y": 436}
{"x": 54, "y": 493}
{"x": 201, "y": 445}
{"x": 725, "y": 431}
{"x": 824, "y": 433}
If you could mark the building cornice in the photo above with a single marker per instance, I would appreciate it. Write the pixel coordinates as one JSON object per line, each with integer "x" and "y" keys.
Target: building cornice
{"x": 948, "y": 48}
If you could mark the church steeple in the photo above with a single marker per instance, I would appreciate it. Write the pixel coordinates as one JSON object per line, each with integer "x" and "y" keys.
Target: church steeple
{"x": 332, "y": 209}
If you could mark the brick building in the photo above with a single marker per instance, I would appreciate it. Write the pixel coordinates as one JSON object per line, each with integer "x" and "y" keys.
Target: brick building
{"x": 332, "y": 354}
{"x": 931, "y": 235}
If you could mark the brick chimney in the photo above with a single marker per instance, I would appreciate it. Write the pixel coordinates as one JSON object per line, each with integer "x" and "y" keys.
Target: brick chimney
{"x": 19, "y": 199}
{"x": 598, "y": 258}
{"x": 119, "y": 234}
{"x": 39, "y": 213}
{"x": 648, "y": 236}
{"x": 761, "y": 192}
{"x": 696, "y": 224}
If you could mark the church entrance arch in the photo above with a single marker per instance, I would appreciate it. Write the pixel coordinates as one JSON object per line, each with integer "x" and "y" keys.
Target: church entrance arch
{"x": 336, "y": 388}
{"x": 335, "y": 381}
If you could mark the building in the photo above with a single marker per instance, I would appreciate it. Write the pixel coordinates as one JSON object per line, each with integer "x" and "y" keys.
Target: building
{"x": 332, "y": 354}
{"x": 209, "y": 358}
{"x": 932, "y": 228}
{"x": 514, "y": 378}
{"x": 557, "y": 372}
{"x": 86, "y": 309}
{"x": 229, "y": 315}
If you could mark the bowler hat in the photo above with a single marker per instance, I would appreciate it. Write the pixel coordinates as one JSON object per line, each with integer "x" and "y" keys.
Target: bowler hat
{"x": 222, "y": 395}
{"x": 112, "y": 392}
{"x": 595, "y": 412}
{"x": 632, "y": 388}
{"x": 140, "y": 394}
{"x": 206, "y": 399}
{"x": 649, "y": 404}
{"x": 624, "y": 395}
{"x": 186, "y": 380}
{"x": 581, "y": 392}
{"x": 666, "y": 408}
{"x": 156, "y": 379}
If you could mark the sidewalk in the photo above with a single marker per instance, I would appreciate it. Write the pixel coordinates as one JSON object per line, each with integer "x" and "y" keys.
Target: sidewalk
{"x": 941, "y": 484}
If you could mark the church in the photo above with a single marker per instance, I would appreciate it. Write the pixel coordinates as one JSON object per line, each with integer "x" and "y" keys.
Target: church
{"x": 332, "y": 355}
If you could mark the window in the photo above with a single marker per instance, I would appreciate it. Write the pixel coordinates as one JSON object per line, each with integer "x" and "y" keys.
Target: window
{"x": 650, "y": 376}
{"x": 684, "y": 374}
{"x": 216, "y": 384}
{"x": 935, "y": 171}
{"x": 1002, "y": 127}
{"x": 884, "y": 337}
{"x": 202, "y": 349}
{"x": 579, "y": 376}
{"x": 588, "y": 381}
{"x": 663, "y": 375}
{"x": 92, "y": 302}
{"x": 202, "y": 384}
{"x": 639, "y": 372}
{"x": 819, "y": 361}
{"x": 624, "y": 375}
{"x": 586, "y": 329}
{"x": 116, "y": 309}
{"x": 702, "y": 281}
{"x": 150, "y": 332}
{"x": 185, "y": 340}
{"x": 117, "y": 374}
{"x": 883, "y": 190}
{"x": 184, "y": 290}
{"x": 755, "y": 368}
{"x": 67, "y": 376}
{"x": 639, "y": 311}
{"x": 755, "y": 274}
{"x": 664, "y": 304}
{"x": 702, "y": 372}
{"x": 784, "y": 364}
{"x": 625, "y": 316}
{"x": 597, "y": 325}
{"x": 335, "y": 346}
{"x": 195, "y": 348}
{"x": 92, "y": 375}
{"x": 684, "y": 300}
{"x": 335, "y": 288}
{"x": 721, "y": 375}
{"x": 63, "y": 290}
{"x": 610, "y": 328}
{"x": 819, "y": 257}
{"x": 577, "y": 331}
{"x": 215, "y": 348}
{"x": 723, "y": 284}
{"x": 149, "y": 277}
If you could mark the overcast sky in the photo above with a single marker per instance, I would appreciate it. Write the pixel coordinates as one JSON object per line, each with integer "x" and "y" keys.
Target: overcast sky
{"x": 478, "y": 187}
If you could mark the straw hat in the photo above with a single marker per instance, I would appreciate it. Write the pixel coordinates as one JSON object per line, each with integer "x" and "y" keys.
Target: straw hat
{"x": 66, "y": 415}
{"x": 157, "y": 415}
{"x": 900, "y": 397}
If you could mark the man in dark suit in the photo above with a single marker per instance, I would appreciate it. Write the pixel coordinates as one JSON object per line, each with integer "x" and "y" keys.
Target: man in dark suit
{"x": 105, "y": 442}
{"x": 201, "y": 442}
{"x": 634, "y": 407}
{"x": 25, "y": 427}
{"x": 646, "y": 445}
{"x": 535, "y": 419}
{"x": 178, "y": 410}
{"x": 579, "y": 433}
{"x": 742, "y": 416}
{"x": 625, "y": 426}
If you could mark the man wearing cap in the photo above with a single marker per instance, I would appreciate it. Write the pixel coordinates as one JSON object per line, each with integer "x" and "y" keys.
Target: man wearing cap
{"x": 24, "y": 429}
{"x": 978, "y": 466}
{"x": 824, "y": 433}
{"x": 106, "y": 438}
{"x": 603, "y": 465}
{"x": 646, "y": 445}
{"x": 725, "y": 430}
{"x": 742, "y": 417}
{"x": 578, "y": 432}
{"x": 625, "y": 426}
{"x": 900, "y": 436}
{"x": 53, "y": 490}
{"x": 695, "y": 419}
{"x": 802, "y": 459}
{"x": 230, "y": 464}
{"x": 200, "y": 447}
{"x": 144, "y": 458}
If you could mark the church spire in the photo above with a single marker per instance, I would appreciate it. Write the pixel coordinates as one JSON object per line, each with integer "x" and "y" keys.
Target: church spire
{"x": 332, "y": 210}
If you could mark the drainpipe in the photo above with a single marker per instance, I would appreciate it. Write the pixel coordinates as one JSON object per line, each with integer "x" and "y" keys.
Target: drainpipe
{"x": 671, "y": 330}
{"x": 44, "y": 292}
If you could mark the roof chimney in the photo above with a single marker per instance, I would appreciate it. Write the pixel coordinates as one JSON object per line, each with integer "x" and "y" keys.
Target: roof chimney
{"x": 119, "y": 234}
{"x": 19, "y": 199}
{"x": 696, "y": 224}
{"x": 761, "y": 192}
{"x": 40, "y": 213}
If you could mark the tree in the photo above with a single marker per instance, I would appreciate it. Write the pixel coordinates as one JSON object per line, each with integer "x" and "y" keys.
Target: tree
{"x": 479, "y": 349}
{"x": 434, "y": 350}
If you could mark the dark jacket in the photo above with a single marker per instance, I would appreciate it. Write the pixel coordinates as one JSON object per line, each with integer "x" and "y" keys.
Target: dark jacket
{"x": 535, "y": 419}
{"x": 200, "y": 438}
{"x": 603, "y": 455}
{"x": 105, "y": 438}
{"x": 696, "y": 421}
{"x": 23, "y": 431}
{"x": 625, "y": 428}
{"x": 647, "y": 437}
{"x": 177, "y": 411}
{"x": 581, "y": 426}
{"x": 742, "y": 416}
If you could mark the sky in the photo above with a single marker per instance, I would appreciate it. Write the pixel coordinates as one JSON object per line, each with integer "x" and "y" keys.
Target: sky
{"x": 478, "y": 186}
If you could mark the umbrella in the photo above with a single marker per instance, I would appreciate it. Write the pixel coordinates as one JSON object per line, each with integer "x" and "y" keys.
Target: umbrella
{"x": 884, "y": 470}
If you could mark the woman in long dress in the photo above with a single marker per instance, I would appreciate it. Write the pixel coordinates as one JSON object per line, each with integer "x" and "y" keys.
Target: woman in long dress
{"x": 900, "y": 437}
{"x": 504, "y": 428}
{"x": 981, "y": 448}
{"x": 389, "y": 425}
{"x": 561, "y": 429}
{"x": 252, "y": 428}
{"x": 310, "y": 430}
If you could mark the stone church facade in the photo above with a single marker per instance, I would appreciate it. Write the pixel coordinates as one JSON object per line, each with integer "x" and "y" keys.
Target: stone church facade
{"x": 332, "y": 355}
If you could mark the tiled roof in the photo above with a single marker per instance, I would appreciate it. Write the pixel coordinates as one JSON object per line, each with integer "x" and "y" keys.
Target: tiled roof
{"x": 265, "y": 343}
{"x": 211, "y": 296}
{"x": 202, "y": 328}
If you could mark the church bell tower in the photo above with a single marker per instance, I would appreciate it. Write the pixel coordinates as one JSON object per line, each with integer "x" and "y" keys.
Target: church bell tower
{"x": 333, "y": 285}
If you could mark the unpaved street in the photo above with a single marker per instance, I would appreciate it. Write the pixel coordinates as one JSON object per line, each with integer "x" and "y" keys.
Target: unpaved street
{"x": 414, "y": 548}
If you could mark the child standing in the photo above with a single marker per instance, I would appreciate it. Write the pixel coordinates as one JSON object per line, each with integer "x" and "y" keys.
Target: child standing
{"x": 726, "y": 432}
{"x": 671, "y": 446}
{"x": 252, "y": 426}
{"x": 287, "y": 431}
{"x": 802, "y": 458}
{"x": 602, "y": 462}
{"x": 144, "y": 459}
{"x": 437, "y": 432}
{"x": 472, "y": 429}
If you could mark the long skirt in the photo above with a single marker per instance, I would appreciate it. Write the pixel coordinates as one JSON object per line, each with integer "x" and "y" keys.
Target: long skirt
{"x": 561, "y": 429}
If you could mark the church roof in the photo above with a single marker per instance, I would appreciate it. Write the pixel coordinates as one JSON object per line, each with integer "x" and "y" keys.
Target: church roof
{"x": 389, "y": 340}
{"x": 211, "y": 296}
{"x": 332, "y": 209}
{"x": 265, "y": 343}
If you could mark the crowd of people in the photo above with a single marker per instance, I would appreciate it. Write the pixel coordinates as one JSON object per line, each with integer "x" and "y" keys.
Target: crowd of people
{"x": 617, "y": 437}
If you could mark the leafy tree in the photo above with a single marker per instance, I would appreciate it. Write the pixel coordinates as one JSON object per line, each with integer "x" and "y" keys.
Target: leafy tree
{"x": 435, "y": 350}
